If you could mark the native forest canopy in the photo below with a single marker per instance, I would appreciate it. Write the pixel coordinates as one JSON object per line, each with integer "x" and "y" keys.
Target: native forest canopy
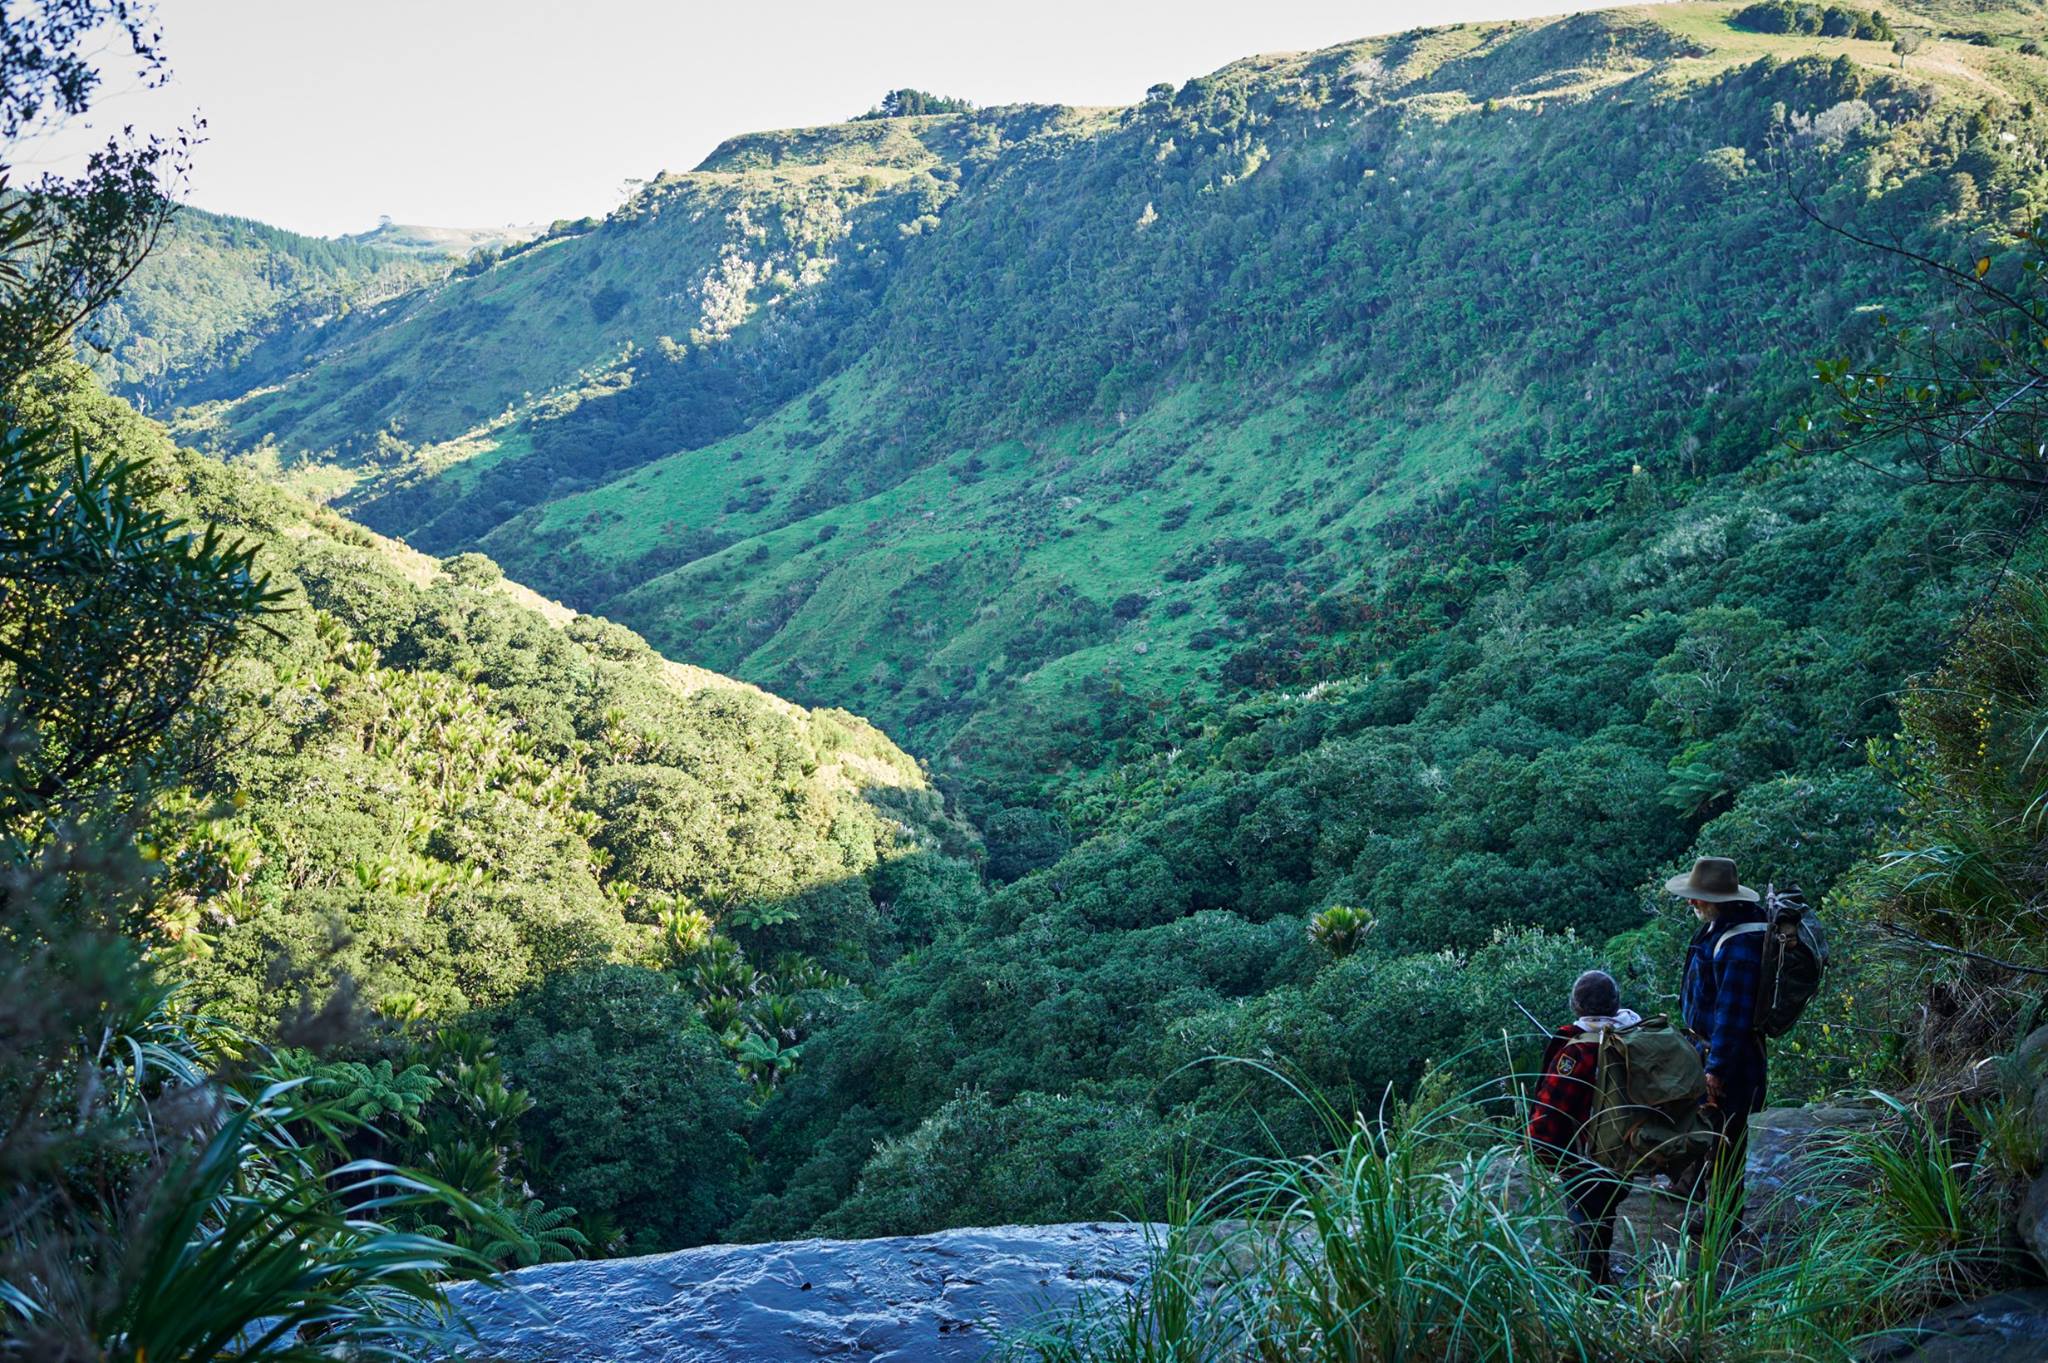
{"x": 945, "y": 669}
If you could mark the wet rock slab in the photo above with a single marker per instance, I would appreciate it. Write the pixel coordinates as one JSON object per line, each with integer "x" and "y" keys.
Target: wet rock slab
{"x": 2011, "y": 1327}
{"x": 922, "y": 1299}
{"x": 1783, "y": 1140}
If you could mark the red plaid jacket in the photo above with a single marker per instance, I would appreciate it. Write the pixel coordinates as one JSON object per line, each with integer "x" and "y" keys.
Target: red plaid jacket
{"x": 1564, "y": 1094}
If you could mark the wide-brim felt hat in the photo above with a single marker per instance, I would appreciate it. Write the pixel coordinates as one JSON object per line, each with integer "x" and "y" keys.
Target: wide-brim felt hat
{"x": 1711, "y": 879}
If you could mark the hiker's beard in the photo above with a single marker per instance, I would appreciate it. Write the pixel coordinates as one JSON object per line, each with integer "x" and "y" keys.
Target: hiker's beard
{"x": 1704, "y": 912}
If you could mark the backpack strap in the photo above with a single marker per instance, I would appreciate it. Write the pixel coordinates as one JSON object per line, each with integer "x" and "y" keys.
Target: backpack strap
{"x": 1737, "y": 931}
{"x": 1554, "y": 1046}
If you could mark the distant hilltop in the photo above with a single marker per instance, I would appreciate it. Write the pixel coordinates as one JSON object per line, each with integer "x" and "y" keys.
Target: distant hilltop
{"x": 451, "y": 243}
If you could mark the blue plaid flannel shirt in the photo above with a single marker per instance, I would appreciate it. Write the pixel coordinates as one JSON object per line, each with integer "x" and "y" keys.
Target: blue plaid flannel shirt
{"x": 1719, "y": 999}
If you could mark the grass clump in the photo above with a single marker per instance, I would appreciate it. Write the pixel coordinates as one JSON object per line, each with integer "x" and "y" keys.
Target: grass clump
{"x": 1425, "y": 1234}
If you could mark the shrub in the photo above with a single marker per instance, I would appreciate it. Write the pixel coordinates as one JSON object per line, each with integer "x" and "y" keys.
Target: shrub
{"x": 974, "y": 1163}
{"x": 1023, "y": 840}
{"x": 607, "y": 301}
{"x": 1832, "y": 21}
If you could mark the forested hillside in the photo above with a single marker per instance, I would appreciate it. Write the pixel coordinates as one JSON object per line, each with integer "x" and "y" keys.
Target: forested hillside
{"x": 1329, "y": 526}
{"x": 462, "y": 805}
{"x": 216, "y": 288}
{"x": 1021, "y": 431}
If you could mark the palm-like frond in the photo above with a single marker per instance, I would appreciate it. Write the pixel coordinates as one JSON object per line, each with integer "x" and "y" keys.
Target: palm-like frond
{"x": 235, "y": 1242}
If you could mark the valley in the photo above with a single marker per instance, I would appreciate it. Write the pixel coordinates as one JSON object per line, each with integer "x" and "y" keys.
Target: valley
{"x": 1025, "y": 666}
{"x": 841, "y": 411}
{"x": 1318, "y": 483}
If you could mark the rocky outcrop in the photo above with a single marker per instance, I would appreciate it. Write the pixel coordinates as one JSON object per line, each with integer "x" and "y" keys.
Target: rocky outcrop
{"x": 2011, "y": 1327}
{"x": 923, "y": 1299}
{"x": 2029, "y": 1071}
{"x": 2032, "y": 1218}
{"x": 2027, "y": 1075}
{"x": 1781, "y": 1141}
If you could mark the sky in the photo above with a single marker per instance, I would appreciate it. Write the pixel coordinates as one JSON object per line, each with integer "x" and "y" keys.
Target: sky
{"x": 322, "y": 117}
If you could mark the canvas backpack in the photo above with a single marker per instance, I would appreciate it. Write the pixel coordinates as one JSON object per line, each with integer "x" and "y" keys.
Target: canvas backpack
{"x": 1795, "y": 956}
{"x": 1646, "y": 1105}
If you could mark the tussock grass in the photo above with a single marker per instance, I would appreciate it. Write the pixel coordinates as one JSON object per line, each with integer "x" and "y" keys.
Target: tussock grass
{"x": 1412, "y": 1238}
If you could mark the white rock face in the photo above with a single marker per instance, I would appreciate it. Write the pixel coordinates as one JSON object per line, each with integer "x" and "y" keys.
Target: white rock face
{"x": 922, "y": 1299}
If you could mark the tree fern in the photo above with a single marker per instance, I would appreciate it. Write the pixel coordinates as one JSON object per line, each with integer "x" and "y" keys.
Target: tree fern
{"x": 537, "y": 1234}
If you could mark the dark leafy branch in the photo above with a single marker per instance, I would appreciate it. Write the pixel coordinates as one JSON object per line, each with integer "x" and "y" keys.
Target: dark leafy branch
{"x": 46, "y": 67}
{"x": 113, "y": 615}
{"x": 1960, "y": 396}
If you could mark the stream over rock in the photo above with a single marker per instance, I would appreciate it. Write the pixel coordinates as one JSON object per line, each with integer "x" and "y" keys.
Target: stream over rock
{"x": 916, "y": 1299}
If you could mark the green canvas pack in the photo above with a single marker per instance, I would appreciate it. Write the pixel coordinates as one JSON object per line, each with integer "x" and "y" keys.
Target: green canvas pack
{"x": 1646, "y": 1107}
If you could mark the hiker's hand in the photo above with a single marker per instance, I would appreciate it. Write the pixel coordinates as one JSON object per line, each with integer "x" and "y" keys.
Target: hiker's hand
{"x": 1716, "y": 1089}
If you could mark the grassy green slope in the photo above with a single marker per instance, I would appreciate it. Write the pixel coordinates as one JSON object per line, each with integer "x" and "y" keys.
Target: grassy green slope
{"x": 998, "y": 572}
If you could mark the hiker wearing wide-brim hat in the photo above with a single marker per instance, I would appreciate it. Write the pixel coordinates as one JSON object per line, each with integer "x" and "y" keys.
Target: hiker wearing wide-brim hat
{"x": 1711, "y": 881}
{"x": 1723, "y": 971}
